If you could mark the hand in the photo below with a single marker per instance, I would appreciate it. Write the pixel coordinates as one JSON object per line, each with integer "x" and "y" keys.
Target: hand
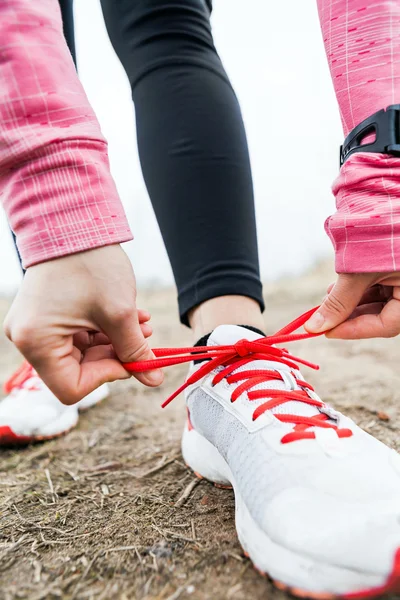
{"x": 360, "y": 305}
{"x": 75, "y": 320}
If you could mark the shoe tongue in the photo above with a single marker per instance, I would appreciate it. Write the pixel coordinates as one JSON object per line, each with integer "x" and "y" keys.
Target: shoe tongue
{"x": 226, "y": 335}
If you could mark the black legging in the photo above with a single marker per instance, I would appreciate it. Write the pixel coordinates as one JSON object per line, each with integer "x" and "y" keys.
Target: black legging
{"x": 67, "y": 15}
{"x": 192, "y": 146}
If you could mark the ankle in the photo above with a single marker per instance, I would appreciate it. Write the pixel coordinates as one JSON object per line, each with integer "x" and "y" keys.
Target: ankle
{"x": 225, "y": 310}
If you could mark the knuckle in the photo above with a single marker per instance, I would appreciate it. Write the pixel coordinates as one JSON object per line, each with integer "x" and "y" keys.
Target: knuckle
{"x": 69, "y": 394}
{"x": 141, "y": 351}
{"x": 21, "y": 335}
{"x": 69, "y": 399}
{"x": 122, "y": 313}
{"x": 334, "y": 305}
{"x": 7, "y": 328}
{"x": 138, "y": 350}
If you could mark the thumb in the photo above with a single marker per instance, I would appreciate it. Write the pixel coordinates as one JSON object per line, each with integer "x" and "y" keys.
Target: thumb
{"x": 129, "y": 343}
{"x": 340, "y": 302}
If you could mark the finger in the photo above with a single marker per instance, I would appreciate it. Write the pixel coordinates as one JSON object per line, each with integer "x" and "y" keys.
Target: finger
{"x": 87, "y": 339}
{"x": 330, "y": 287}
{"x": 390, "y": 279}
{"x": 69, "y": 376}
{"x": 94, "y": 353}
{"x": 385, "y": 323}
{"x": 372, "y": 308}
{"x": 340, "y": 302}
{"x": 347, "y": 328}
{"x": 129, "y": 343}
{"x": 377, "y": 293}
{"x": 99, "y": 353}
{"x": 143, "y": 315}
{"x": 147, "y": 330}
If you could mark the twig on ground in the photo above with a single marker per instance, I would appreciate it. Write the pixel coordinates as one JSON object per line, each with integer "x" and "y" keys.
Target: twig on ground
{"x": 234, "y": 555}
{"x": 163, "y": 463}
{"x": 233, "y": 590}
{"x": 193, "y": 530}
{"x": 139, "y": 556}
{"x": 103, "y": 468}
{"x": 147, "y": 585}
{"x": 177, "y": 592}
{"x": 155, "y": 564}
{"x": 37, "y": 571}
{"x": 50, "y": 542}
{"x": 186, "y": 492}
{"x": 176, "y": 536}
{"x": 121, "y": 549}
{"x": 49, "y": 481}
{"x": 67, "y": 470}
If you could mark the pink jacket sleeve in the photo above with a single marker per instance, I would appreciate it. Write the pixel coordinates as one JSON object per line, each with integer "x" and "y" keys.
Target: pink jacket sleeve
{"x": 55, "y": 181}
{"x": 362, "y": 42}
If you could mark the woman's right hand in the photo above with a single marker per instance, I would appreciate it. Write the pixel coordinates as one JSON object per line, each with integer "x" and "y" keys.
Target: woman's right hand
{"x": 75, "y": 320}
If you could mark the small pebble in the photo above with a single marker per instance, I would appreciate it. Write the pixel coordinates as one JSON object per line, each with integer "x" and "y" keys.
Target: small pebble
{"x": 104, "y": 489}
{"x": 382, "y": 416}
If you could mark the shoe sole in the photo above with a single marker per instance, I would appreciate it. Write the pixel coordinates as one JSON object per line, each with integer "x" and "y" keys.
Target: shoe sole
{"x": 58, "y": 428}
{"x": 207, "y": 463}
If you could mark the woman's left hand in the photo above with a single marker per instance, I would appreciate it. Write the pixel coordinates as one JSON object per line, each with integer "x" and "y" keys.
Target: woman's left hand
{"x": 358, "y": 306}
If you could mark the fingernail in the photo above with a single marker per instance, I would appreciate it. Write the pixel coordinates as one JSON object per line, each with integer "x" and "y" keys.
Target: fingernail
{"x": 316, "y": 323}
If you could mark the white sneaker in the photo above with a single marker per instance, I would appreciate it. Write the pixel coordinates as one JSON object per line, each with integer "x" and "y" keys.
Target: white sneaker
{"x": 317, "y": 498}
{"x": 31, "y": 412}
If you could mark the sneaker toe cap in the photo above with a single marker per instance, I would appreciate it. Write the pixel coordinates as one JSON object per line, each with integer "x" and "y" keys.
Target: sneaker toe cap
{"x": 355, "y": 536}
{"x": 28, "y": 419}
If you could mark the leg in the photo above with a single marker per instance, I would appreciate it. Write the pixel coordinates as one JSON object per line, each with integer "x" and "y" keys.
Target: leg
{"x": 194, "y": 157}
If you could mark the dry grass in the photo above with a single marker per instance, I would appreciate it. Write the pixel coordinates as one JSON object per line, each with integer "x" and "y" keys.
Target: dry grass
{"x": 111, "y": 512}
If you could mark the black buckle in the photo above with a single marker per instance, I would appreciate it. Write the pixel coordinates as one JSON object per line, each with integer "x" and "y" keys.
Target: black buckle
{"x": 385, "y": 124}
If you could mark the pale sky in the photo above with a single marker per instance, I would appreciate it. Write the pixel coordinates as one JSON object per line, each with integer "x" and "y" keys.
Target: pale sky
{"x": 274, "y": 55}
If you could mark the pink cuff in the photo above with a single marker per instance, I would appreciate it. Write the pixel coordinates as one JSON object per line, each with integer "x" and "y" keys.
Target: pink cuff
{"x": 64, "y": 201}
{"x": 365, "y": 230}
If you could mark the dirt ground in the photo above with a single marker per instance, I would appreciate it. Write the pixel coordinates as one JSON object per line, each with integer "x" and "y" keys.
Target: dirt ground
{"x": 111, "y": 512}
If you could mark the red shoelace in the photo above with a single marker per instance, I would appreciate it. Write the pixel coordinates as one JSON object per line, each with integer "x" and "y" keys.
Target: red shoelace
{"x": 21, "y": 376}
{"x": 243, "y": 352}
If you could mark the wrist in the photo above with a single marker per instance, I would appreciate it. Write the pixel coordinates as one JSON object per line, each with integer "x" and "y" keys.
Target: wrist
{"x": 365, "y": 230}
{"x": 63, "y": 201}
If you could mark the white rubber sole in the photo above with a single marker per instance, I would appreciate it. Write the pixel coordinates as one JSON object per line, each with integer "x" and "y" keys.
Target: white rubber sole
{"x": 299, "y": 574}
{"x": 67, "y": 420}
